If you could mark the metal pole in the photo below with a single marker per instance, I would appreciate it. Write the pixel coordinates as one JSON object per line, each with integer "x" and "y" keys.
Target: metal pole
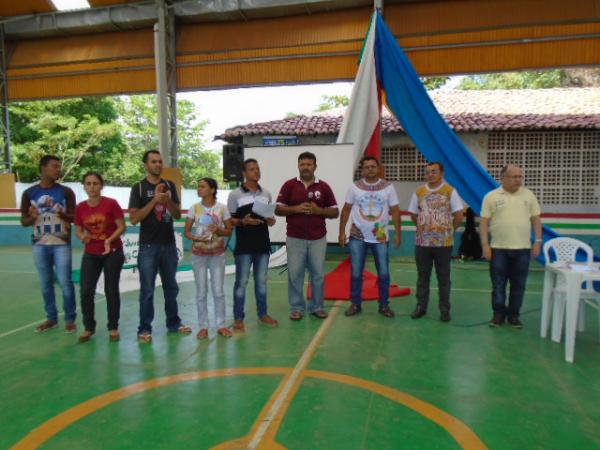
{"x": 172, "y": 86}
{"x": 164, "y": 52}
{"x": 5, "y": 119}
{"x": 378, "y": 5}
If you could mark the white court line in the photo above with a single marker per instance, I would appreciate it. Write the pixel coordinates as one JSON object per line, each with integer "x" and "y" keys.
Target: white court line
{"x": 17, "y": 271}
{"x": 24, "y": 327}
{"x": 303, "y": 362}
{"x": 16, "y": 330}
{"x": 483, "y": 290}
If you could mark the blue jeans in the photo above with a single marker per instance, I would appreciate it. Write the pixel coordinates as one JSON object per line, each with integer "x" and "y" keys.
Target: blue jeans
{"x": 509, "y": 266}
{"x": 260, "y": 265}
{"x": 303, "y": 254}
{"x": 216, "y": 265}
{"x": 161, "y": 259}
{"x": 358, "y": 254}
{"x": 47, "y": 258}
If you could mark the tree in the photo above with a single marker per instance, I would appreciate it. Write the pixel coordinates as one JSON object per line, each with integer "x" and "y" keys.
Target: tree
{"x": 138, "y": 115}
{"x": 329, "y": 102}
{"x": 432, "y": 83}
{"x": 82, "y": 132}
{"x": 536, "y": 79}
{"x": 195, "y": 160}
{"x": 105, "y": 134}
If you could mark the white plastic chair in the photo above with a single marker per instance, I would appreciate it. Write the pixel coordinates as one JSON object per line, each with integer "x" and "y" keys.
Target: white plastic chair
{"x": 564, "y": 250}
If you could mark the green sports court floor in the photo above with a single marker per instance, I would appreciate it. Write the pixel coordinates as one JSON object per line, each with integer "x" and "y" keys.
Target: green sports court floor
{"x": 365, "y": 382}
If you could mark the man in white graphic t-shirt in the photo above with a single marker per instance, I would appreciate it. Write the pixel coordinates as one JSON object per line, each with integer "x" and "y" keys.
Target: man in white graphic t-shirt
{"x": 370, "y": 201}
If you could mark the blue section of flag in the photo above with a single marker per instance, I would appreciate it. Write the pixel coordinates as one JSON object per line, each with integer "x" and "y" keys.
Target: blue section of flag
{"x": 412, "y": 106}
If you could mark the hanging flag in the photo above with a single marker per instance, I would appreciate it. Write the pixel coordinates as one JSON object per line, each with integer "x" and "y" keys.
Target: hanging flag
{"x": 362, "y": 120}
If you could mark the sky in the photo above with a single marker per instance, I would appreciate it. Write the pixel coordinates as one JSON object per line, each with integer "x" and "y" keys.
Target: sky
{"x": 228, "y": 108}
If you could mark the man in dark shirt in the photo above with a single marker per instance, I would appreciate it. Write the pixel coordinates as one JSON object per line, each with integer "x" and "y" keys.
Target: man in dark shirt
{"x": 154, "y": 203}
{"x": 306, "y": 202}
{"x": 252, "y": 244}
{"x": 50, "y": 207}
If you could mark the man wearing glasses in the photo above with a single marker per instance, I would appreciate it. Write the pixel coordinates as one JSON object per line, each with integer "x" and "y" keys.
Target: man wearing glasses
{"x": 436, "y": 210}
{"x": 509, "y": 212}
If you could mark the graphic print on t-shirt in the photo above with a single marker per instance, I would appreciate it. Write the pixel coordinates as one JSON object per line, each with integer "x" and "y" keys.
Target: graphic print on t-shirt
{"x": 96, "y": 225}
{"x": 371, "y": 208}
{"x": 203, "y": 217}
{"x": 49, "y": 228}
{"x": 160, "y": 210}
{"x": 435, "y": 220}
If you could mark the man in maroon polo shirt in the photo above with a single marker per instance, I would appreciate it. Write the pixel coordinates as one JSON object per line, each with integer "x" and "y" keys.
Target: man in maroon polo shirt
{"x": 305, "y": 202}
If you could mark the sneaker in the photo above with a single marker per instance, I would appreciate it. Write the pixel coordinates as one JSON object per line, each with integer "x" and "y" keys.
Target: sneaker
{"x": 418, "y": 313}
{"x": 202, "y": 334}
{"x": 386, "y": 311}
{"x": 515, "y": 322}
{"x": 70, "y": 327}
{"x": 353, "y": 310}
{"x": 238, "y": 325}
{"x": 225, "y": 332}
{"x": 497, "y": 320}
{"x": 47, "y": 325}
{"x": 445, "y": 316}
{"x": 268, "y": 320}
{"x": 320, "y": 314}
{"x": 145, "y": 337}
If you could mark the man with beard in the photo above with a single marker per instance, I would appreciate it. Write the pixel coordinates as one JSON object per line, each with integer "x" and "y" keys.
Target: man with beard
{"x": 370, "y": 200}
{"x": 305, "y": 202}
{"x": 154, "y": 203}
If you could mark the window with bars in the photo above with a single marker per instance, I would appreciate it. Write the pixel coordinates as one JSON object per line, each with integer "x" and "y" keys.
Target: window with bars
{"x": 560, "y": 167}
{"x": 403, "y": 163}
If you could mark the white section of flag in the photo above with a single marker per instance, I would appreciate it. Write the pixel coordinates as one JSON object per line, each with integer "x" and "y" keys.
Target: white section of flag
{"x": 362, "y": 115}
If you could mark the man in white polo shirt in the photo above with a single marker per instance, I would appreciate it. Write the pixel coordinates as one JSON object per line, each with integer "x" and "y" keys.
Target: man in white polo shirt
{"x": 508, "y": 213}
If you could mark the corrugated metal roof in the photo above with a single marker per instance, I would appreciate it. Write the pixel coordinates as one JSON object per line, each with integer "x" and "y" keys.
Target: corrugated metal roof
{"x": 575, "y": 108}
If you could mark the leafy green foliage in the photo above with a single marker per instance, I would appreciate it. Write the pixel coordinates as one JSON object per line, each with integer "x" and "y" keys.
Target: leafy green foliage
{"x": 84, "y": 133}
{"x": 329, "y": 102}
{"x": 538, "y": 79}
{"x": 105, "y": 134}
{"x": 432, "y": 83}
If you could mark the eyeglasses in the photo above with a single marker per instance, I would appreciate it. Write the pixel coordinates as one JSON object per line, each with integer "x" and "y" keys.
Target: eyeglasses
{"x": 431, "y": 172}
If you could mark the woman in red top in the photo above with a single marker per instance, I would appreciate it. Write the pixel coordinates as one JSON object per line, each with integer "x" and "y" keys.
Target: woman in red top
{"x": 100, "y": 223}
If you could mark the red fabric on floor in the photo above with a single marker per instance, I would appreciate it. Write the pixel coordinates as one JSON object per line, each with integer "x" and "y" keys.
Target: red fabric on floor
{"x": 337, "y": 284}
